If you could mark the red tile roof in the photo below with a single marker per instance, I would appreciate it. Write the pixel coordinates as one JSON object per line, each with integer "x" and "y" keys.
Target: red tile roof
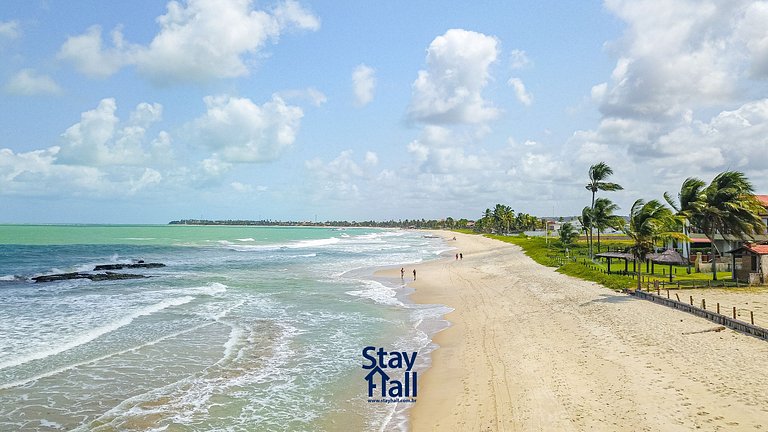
{"x": 763, "y": 200}
{"x": 761, "y": 249}
{"x": 699, "y": 240}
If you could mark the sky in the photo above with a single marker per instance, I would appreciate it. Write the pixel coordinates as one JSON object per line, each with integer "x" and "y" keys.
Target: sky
{"x": 150, "y": 111}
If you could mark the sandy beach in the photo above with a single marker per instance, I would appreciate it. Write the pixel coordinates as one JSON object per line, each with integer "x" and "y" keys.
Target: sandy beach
{"x": 530, "y": 349}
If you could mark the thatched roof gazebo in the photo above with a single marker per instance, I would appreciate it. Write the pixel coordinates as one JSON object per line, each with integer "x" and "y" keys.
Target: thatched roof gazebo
{"x": 669, "y": 256}
{"x": 617, "y": 255}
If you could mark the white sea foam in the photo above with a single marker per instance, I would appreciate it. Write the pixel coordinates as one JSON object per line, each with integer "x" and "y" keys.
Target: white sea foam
{"x": 313, "y": 243}
{"x": 94, "y": 333}
{"x": 249, "y": 239}
{"x": 377, "y": 292}
{"x": 8, "y": 278}
{"x": 104, "y": 357}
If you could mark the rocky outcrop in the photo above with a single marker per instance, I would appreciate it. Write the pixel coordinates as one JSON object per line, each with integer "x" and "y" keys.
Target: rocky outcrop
{"x": 127, "y": 266}
{"x": 107, "y": 276}
{"x": 92, "y": 276}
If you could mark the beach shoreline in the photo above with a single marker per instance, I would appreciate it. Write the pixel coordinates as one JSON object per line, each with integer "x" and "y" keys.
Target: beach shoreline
{"x": 531, "y": 349}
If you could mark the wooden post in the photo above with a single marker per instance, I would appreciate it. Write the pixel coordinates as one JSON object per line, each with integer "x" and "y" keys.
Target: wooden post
{"x": 718, "y": 308}
{"x": 691, "y": 300}
{"x": 734, "y": 312}
{"x": 667, "y": 293}
{"x": 678, "y": 297}
{"x": 752, "y": 317}
{"x": 704, "y": 304}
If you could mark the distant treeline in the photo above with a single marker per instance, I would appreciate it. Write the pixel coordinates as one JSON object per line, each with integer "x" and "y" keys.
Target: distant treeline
{"x": 403, "y": 223}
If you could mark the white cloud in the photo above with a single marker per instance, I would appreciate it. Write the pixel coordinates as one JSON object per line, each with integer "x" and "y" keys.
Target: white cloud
{"x": 364, "y": 83}
{"x": 518, "y": 59}
{"x": 682, "y": 55}
{"x": 98, "y": 139}
{"x": 449, "y": 90}
{"x": 521, "y": 93}
{"x": 149, "y": 177}
{"x": 35, "y": 173}
{"x": 27, "y": 82}
{"x": 213, "y": 167}
{"x": 145, "y": 114}
{"x": 310, "y": 94}
{"x": 9, "y": 30}
{"x": 240, "y": 187}
{"x": 342, "y": 178}
{"x": 198, "y": 40}
{"x": 87, "y": 54}
{"x": 39, "y": 173}
{"x": 238, "y": 130}
{"x": 371, "y": 158}
{"x": 290, "y": 14}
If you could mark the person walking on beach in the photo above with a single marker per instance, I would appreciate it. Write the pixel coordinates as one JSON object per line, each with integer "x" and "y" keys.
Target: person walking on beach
{"x": 461, "y": 256}
{"x": 414, "y": 274}
{"x": 402, "y": 272}
{"x": 457, "y": 257}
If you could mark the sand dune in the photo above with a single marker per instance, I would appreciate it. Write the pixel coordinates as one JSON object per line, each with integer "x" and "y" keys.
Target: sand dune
{"x": 530, "y": 349}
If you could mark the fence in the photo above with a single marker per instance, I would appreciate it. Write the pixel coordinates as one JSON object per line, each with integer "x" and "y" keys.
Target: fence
{"x": 715, "y": 316}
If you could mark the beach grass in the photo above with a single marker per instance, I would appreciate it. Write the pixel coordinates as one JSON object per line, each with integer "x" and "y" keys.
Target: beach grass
{"x": 575, "y": 262}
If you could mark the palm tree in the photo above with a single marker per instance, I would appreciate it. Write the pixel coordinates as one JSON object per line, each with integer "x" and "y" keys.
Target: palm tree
{"x": 603, "y": 217}
{"x": 487, "y": 220}
{"x": 597, "y": 174}
{"x": 567, "y": 234}
{"x": 688, "y": 207}
{"x": 449, "y": 222}
{"x": 586, "y": 222}
{"x": 503, "y": 216}
{"x": 648, "y": 222}
{"x": 728, "y": 206}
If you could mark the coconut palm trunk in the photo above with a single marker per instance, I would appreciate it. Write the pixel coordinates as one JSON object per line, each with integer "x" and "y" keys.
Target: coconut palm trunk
{"x": 712, "y": 254}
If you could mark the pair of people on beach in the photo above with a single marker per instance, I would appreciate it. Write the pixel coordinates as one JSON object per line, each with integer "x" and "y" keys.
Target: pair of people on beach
{"x": 459, "y": 256}
{"x": 402, "y": 273}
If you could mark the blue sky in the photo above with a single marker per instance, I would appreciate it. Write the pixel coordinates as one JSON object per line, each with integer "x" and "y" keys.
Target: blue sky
{"x": 147, "y": 111}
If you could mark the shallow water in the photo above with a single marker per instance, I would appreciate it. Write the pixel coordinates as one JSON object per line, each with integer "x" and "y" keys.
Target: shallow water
{"x": 247, "y": 328}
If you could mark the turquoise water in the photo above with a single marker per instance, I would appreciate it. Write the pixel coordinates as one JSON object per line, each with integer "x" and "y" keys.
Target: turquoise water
{"x": 247, "y": 328}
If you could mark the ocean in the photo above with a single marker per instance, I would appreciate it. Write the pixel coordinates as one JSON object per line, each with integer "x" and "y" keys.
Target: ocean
{"x": 245, "y": 328}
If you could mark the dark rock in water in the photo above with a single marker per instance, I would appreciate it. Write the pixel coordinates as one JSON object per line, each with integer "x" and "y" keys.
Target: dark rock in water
{"x": 92, "y": 276}
{"x": 127, "y": 266}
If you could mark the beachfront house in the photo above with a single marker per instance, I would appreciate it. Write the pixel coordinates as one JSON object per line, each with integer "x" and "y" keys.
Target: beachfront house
{"x": 750, "y": 263}
{"x": 725, "y": 244}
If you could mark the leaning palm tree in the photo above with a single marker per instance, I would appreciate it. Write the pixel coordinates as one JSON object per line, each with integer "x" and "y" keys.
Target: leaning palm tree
{"x": 688, "y": 207}
{"x": 648, "y": 222}
{"x": 728, "y": 206}
{"x": 586, "y": 222}
{"x": 597, "y": 174}
{"x": 603, "y": 217}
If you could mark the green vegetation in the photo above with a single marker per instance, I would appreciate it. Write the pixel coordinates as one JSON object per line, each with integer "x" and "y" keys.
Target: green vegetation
{"x": 649, "y": 222}
{"x": 577, "y": 264}
{"x": 502, "y": 219}
{"x": 553, "y": 255}
{"x": 597, "y": 174}
{"x": 568, "y": 234}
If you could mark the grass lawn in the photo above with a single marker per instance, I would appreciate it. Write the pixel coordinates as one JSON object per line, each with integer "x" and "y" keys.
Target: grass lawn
{"x": 575, "y": 262}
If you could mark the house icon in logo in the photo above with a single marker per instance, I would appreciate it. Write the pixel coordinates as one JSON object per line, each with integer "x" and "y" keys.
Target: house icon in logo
{"x": 371, "y": 377}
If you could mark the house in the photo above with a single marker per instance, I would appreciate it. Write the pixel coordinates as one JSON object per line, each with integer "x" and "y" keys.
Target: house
{"x": 727, "y": 242}
{"x": 750, "y": 263}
